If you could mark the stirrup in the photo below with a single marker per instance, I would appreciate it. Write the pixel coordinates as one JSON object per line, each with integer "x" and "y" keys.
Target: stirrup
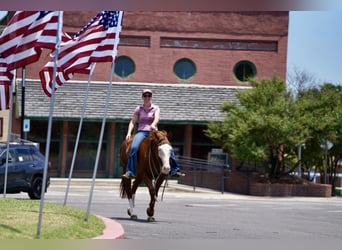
{"x": 178, "y": 174}
{"x": 128, "y": 176}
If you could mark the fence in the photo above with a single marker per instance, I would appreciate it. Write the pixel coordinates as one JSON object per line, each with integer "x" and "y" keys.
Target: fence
{"x": 196, "y": 167}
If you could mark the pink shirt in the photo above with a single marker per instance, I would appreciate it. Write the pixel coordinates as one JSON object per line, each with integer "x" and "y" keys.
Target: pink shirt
{"x": 145, "y": 119}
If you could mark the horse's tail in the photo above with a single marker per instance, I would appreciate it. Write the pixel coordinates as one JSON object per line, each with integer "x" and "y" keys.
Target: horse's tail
{"x": 124, "y": 186}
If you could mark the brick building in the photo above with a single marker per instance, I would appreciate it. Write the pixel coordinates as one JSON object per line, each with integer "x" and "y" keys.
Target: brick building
{"x": 193, "y": 61}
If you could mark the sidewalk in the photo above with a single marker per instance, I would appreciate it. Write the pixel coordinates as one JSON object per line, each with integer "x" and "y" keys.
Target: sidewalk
{"x": 110, "y": 184}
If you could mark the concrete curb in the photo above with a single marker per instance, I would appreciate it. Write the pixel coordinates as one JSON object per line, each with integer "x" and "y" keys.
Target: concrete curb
{"x": 113, "y": 230}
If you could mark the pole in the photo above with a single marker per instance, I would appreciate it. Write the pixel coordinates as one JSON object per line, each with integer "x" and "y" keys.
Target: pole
{"x": 23, "y": 85}
{"x": 325, "y": 164}
{"x": 92, "y": 66}
{"x": 8, "y": 135}
{"x": 104, "y": 117}
{"x": 300, "y": 160}
{"x": 48, "y": 140}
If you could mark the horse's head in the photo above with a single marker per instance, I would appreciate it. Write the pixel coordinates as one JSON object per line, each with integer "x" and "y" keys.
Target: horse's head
{"x": 164, "y": 149}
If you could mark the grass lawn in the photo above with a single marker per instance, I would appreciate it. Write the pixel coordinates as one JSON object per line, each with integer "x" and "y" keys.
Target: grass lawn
{"x": 19, "y": 220}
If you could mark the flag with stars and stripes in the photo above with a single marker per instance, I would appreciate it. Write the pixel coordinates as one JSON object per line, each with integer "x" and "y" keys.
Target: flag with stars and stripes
{"x": 95, "y": 42}
{"x": 5, "y": 75}
{"x": 4, "y": 97}
{"x": 5, "y": 82}
{"x": 26, "y": 34}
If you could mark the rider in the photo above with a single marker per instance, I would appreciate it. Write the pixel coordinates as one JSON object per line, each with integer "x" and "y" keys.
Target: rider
{"x": 147, "y": 116}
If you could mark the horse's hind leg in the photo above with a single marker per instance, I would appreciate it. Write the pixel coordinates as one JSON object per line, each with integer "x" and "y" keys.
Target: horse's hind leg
{"x": 130, "y": 211}
{"x": 150, "y": 209}
{"x": 131, "y": 199}
{"x": 126, "y": 190}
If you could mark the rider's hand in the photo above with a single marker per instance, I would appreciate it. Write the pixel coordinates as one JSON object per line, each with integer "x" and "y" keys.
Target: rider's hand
{"x": 128, "y": 136}
{"x": 153, "y": 127}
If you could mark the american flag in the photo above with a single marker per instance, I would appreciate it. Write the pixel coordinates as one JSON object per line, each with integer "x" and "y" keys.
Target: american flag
{"x": 95, "y": 42}
{"x": 5, "y": 75}
{"x": 26, "y": 34}
{"x": 4, "y": 97}
{"x": 5, "y": 82}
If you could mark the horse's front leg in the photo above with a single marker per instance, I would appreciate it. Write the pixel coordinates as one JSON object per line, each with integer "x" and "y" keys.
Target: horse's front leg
{"x": 150, "y": 209}
{"x": 159, "y": 182}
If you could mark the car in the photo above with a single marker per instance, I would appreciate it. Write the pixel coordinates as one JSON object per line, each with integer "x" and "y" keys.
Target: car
{"x": 25, "y": 169}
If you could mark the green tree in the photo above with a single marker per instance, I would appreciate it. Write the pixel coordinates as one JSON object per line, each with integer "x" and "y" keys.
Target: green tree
{"x": 321, "y": 110}
{"x": 262, "y": 127}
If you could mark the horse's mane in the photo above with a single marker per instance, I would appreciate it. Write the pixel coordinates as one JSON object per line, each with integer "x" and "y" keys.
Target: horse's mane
{"x": 159, "y": 137}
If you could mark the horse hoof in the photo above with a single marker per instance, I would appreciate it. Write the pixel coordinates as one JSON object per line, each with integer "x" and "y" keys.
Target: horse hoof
{"x": 151, "y": 219}
{"x": 134, "y": 217}
{"x": 150, "y": 212}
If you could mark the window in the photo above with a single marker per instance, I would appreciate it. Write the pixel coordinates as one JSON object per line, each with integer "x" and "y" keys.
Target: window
{"x": 24, "y": 154}
{"x": 184, "y": 69}
{"x": 124, "y": 67}
{"x": 3, "y": 156}
{"x": 244, "y": 70}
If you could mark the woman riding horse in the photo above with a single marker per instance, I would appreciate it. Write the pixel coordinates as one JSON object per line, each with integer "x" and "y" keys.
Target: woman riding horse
{"x": 147, "y": 115}
{"x": 153, "y": 168}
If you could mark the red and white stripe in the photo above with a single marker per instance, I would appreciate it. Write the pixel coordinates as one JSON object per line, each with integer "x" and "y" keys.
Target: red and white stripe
{"x": 25, "y": 36}
{"x": 96, "y": 42}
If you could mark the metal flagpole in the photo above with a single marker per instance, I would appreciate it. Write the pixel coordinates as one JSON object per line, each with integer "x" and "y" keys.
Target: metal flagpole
{"x": 104, "y": 119}
{"x": 23, "y": 85}
{"x": 9, "y": 132}
{"x": 52, "y": 103}
{"x": 92, "y": 67}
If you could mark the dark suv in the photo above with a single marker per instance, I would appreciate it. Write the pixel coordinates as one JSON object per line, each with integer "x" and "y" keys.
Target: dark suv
{"x": 25, "y": 169}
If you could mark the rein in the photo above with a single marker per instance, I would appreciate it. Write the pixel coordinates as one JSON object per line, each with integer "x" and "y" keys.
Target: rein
{"x": 151, "y": 165}
{"x": 151, "y": 162}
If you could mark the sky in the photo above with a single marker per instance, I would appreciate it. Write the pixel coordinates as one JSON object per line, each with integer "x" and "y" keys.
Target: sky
{"x": 315, "y": 44}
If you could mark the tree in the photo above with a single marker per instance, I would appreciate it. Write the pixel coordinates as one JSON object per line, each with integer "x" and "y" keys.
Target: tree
{"x": 321, "y": 110}
{"x": 264, "y": 126}
{"x": 299, "y": 81}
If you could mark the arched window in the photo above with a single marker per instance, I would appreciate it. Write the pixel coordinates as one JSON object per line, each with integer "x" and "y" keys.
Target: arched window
{"x": 184, "y": 69}
{"x": 244, "y": 70}
{"x": 124, "y": 67}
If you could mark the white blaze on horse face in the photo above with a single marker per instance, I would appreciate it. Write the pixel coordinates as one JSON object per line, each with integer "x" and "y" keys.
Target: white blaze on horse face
{"x": 164, "y": 153}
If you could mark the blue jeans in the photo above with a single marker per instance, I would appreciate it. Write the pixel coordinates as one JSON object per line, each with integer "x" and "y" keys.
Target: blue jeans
{"x": 132, "y": 159}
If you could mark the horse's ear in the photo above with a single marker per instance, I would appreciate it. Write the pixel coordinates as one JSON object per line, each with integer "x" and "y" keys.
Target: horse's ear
{"x": 164, "y": 133}
{"x": 169, "y": 135}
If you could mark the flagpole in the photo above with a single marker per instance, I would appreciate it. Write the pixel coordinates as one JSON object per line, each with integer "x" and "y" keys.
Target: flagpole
{"x": 92, "y": 67}
{"x": 104, "y": 116}
{"x": 9, "y": 133}
{"x": 52, "y": 103}
{"x": 22, "y": 134}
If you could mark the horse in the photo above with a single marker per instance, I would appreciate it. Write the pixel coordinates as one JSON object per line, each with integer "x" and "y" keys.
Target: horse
{"x": 153, "y": 167}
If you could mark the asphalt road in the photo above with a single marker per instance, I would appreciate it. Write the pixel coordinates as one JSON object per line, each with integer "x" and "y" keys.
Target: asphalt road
{"x": 205, "y": 214}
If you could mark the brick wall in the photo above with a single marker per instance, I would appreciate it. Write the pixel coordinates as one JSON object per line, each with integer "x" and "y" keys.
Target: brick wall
{"x": 241, "y": 183}
{"x": 309, "y": 190}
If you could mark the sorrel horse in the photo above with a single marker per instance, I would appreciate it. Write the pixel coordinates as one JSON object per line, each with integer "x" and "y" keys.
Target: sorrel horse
{"x": 153, "y": 166}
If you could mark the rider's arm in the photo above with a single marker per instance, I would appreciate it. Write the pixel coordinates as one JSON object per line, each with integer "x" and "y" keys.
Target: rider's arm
{"x": 131, "y": 126}
{"x": 155, "y": 120}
